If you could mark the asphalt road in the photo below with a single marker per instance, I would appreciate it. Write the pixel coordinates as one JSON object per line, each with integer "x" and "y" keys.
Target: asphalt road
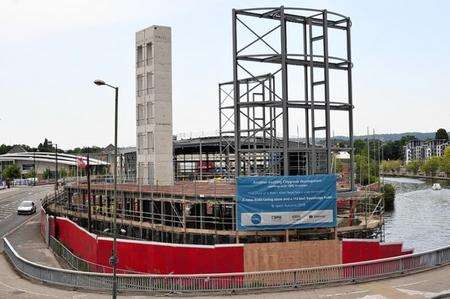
{"x": 10, "y": 200}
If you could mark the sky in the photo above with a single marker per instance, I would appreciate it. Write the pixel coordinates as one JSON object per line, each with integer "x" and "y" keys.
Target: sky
{"x": 51, "y": 51}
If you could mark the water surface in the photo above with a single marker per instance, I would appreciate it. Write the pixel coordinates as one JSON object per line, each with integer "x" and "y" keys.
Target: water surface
{"x": 421, "y": 219}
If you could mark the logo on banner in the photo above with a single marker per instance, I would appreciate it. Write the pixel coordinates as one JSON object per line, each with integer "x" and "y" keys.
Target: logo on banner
{"x": 256, "y": 219}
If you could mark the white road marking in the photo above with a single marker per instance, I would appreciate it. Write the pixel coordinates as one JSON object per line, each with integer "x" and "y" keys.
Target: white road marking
{"x": 423, "y": 293}
{"x": 20, "y": 225}
{"x": 410, "y": 284}
{"x": 373, "y": 297}
{"x": 344, "y": 294}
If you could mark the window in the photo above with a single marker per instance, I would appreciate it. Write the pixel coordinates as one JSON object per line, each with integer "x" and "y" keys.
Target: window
{"x": 140, "y": 113}
{"x": 149, "y": 110}
{"x": 139, "y": 56}
{"x": 149, "y": 81}
{"x": 150, "y": 141}
{"x": 141, "y": 143}
{"x": 139, "y": 84}
{"x": 149, "y": 53}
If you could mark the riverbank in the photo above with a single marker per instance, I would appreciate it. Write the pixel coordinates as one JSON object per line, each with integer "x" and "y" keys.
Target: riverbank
{"x": 415, "y": 176}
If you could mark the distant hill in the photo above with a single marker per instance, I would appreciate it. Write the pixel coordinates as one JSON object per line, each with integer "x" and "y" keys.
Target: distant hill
{"x": 394, "y": 136}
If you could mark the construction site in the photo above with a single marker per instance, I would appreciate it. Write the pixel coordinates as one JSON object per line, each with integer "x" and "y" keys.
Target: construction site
{"x": 291, "y": 83}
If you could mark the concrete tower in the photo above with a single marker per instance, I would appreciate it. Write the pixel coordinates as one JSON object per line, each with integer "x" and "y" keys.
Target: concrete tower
{"x": 154, "y": 106}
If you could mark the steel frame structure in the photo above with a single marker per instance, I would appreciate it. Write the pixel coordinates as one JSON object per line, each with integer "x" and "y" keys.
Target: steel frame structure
{"x": 259, "y": 146}
{"x": 274, "y": 99}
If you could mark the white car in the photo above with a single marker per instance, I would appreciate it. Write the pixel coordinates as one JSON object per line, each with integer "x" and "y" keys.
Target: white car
{"x": 26, "y": 207}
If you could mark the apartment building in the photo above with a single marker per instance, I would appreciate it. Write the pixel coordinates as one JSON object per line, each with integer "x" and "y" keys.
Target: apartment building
{"x": 422, "y": 150}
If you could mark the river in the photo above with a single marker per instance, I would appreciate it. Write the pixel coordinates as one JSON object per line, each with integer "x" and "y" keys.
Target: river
{"x": 421, "y": 218}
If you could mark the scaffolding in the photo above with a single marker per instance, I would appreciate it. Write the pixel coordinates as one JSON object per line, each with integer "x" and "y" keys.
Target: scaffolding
{"x": 293, "y": 91}
{"x": 193, "y": 212}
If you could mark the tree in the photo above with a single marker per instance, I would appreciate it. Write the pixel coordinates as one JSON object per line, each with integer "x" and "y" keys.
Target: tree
{"x": 47, "y": 174}
{"x": 405, "y": 139}
{"x": 393, "y": 150}
{"x": 359, "y": 146}
{"x": 339, "y": 166}
{"x": 30, "y": 174}
{"x": 11, "y": 172}
{"x": 385, "y": 166}
{"x": 414, "y": 166}
{"x": 389, "y": 196}
{"x": 362, "y": 170}
{"x": 441, "y": 134}
{"x": 63, "y": 173}
{"x": 431, "y": 165}
{"x": 393, "y": 166}
{"x": 4, "y": 148}
{"x": 445, "y": 161}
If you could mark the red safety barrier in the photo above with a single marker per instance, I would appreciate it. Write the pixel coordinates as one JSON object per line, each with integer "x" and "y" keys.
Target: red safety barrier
{"x": 76, "y": 239}
{"x": 166, "y": 258}
{"x": 359, "y": 250}
{"x": 151, "y": 257}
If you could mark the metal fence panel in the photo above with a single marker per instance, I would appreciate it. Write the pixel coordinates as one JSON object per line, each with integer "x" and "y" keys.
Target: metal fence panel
{"x": 220, "y": 282}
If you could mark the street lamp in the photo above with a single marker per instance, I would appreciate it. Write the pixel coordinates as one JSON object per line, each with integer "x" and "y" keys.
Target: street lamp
{"x": 113, "y": 259}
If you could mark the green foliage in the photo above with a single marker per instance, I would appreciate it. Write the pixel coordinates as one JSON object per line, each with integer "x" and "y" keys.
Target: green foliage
{"x": 389, "y": 196}
{"x": 445, "y": 161}
{"x": 414, "y": 166}
{"x": 45, "y": 146}
{"x": 339, "y": 166}
{"x": 47, "y": 174}
{"x": 362, "y": 170}
{"x": 4, "y": 148}
{"x": 11, "y": 172}
{"x": 359, "y": 146}
{"x": 393, "y": 150}
{"x": 405, "y": 139}
{"x": 391, "y": 166}
{"x": 441, "y": 134}
{"x": 31, "y": 174}
{"x": 431, "y": 165}
{"x": 85, "y": 150}
{"x": 63, "y": 173}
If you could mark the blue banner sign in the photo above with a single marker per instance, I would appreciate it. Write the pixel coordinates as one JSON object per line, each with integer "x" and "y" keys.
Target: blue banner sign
{"x": 284, "y": 202}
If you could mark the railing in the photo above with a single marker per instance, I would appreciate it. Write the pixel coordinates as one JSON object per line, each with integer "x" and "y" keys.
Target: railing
{"x": 232, "y": 282}
{"x": 78, "y": 263}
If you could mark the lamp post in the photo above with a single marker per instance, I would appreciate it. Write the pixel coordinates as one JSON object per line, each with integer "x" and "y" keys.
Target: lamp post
{"x": 56, "y": 171}
{"x": 113, "y": 259}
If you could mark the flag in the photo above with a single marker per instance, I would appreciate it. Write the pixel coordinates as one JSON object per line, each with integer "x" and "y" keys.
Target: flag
{"x": 80, "y": 162}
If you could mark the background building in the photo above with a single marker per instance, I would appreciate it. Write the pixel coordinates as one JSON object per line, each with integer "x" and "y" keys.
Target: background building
{"x": 422, "y": 150}
{"x": 154, "y": 106}
{"x": 43, "y": 162}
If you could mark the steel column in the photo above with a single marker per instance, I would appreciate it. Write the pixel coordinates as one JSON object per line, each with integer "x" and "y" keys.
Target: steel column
{"x": 284, "y": 88}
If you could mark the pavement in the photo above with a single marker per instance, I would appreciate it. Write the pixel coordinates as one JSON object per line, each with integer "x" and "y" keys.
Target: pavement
{"x": 28, "y": 243}
{"x": 27, "y": 240}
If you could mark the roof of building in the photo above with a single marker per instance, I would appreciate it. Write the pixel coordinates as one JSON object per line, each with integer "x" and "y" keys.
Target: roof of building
{"x": 16, "y": 149}
{"x": 343, "y": 155}
{"x": 65, "y": 159}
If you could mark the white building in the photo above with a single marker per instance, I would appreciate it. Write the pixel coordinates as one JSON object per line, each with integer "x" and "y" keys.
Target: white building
{"x": 154, "y": 160}
{"x": 421, "y": 150}
{"x": 45, "y": 161}
{"x": 440, "y": 149}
